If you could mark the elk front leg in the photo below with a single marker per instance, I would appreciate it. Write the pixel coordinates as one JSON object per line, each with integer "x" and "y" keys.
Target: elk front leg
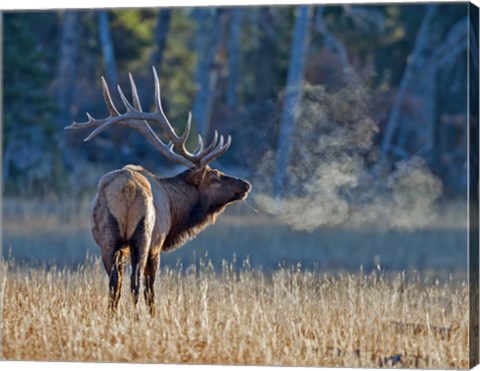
{"x": 151, "y": 270}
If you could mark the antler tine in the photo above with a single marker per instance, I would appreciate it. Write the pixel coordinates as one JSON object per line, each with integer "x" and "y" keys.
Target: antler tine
{"x": 213, "y": 144}
{"x": 220, "y": 143}
{"x": 165, "y": 149}
{"x": 162, "y": 120}
{"x": 108, "y": 99}
{"x": 98, "y": 130}
{"x": 158, "y": 101}
{"x": 219, "y": 150}
{"x": 201, "y": 151}
{"x": 115, "y": 116}
{"x": 199, "y": 148}
{"x": 135, "y": 98}
{"x": 125, "y": 101}
{"x": 186, "y": 132}
{"x": 92, "y": 122}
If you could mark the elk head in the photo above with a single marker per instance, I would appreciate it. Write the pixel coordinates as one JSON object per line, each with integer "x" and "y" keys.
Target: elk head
{"x": 216, "y": 190}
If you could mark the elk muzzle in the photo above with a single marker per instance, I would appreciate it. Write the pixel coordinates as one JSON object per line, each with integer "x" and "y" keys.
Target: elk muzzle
{"x": 243, "y": 188}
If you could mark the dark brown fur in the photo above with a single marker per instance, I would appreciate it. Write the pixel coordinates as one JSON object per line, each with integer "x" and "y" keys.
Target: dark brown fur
{"x": 190, "y": 214}
{"x": 140, "y": 213}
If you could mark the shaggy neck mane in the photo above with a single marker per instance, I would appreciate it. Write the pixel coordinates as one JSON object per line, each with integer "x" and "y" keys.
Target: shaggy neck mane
{"x": 189, "y": 215}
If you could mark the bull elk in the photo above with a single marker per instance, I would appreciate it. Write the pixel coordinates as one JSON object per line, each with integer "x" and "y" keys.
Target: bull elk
{"x": 138, "y": 213}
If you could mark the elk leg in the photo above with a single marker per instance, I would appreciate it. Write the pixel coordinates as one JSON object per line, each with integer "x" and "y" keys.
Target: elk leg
{"x": 115, "y": 284}
{"x": 139, "y": 246}
{"x": 135, "y": 277}
{"x": 151, "y": 269}
{"x": 112, "y": 260}
{"x": 114, "y": 268}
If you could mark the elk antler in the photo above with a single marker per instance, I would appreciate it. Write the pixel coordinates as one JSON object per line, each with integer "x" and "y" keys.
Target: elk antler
{"x": 138, "y": 120}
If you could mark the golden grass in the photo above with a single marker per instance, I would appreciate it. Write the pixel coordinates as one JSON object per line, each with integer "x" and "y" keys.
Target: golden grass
{"x": 291, "y": 317}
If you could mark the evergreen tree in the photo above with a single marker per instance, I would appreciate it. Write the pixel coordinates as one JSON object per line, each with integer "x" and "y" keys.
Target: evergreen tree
{"x": 29, "y": 109}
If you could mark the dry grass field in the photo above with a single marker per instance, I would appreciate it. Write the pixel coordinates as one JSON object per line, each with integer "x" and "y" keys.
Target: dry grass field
{"x": 412, "y": 312}
{"x": 292, "y": 317}
{"x": 289, "y": 318}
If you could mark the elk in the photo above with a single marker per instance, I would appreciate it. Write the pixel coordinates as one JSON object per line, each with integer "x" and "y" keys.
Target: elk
{"x": 140, "y": 214}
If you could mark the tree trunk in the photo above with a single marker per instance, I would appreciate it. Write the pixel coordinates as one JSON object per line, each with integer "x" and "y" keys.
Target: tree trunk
{"x": 107, "y": 48}
{"x": 416, "y": 126}
{"x": 161, "y": 33}
{"x": 331, "y": 42}
{"x": 421, "y": 130}
{"x": 210, "y": 34}
{"x": 420, "y": 44}
{"x": 66, "y": 82}
{"x": 68, "y": 62}
{"x": 264, "y": 61}
{"x": 233, "y": 57}
{"x": 293, "y": 93}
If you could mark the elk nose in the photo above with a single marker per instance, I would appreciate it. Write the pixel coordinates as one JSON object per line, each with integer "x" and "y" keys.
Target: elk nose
{"x": 248, "y": 187}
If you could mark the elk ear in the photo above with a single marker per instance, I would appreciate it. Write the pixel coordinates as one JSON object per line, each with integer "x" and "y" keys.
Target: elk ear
{"x": 196, "y": 176}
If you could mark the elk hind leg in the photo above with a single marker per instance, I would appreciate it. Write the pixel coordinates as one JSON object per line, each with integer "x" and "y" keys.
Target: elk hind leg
{"x": 116, "y": 276}
{"x": 112, "y": 259}
{"x": 151, "y": 269}
{"x": 139, "y": 248}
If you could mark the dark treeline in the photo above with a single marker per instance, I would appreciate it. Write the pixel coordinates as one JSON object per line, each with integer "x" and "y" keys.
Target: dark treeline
{"x": 243, "y": 71}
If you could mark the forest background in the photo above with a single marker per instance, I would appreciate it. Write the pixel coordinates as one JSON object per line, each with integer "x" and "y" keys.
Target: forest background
{"x": 347, "y": 116}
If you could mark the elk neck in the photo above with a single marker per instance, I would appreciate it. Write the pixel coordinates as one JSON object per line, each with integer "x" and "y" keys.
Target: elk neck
{"x": 188, "y": 214}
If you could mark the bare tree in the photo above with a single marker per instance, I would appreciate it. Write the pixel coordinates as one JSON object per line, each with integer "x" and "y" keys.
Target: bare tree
{"x": 161, "y": 35}
{"x": 66, "y": 78}
{"x": 264, "y": 71}
{"x": 67, "y": 68}
{"x": 209, "y": 38}
{"x": 425, "y": 89}
{"x": 107, "y": 47}
{"x": 301, "y": 35}
{"x": 421, "y": 42}
{"x": 331, "y": 42}
{"x": 442, "y": 58}
{"x": 233, "y": 56}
